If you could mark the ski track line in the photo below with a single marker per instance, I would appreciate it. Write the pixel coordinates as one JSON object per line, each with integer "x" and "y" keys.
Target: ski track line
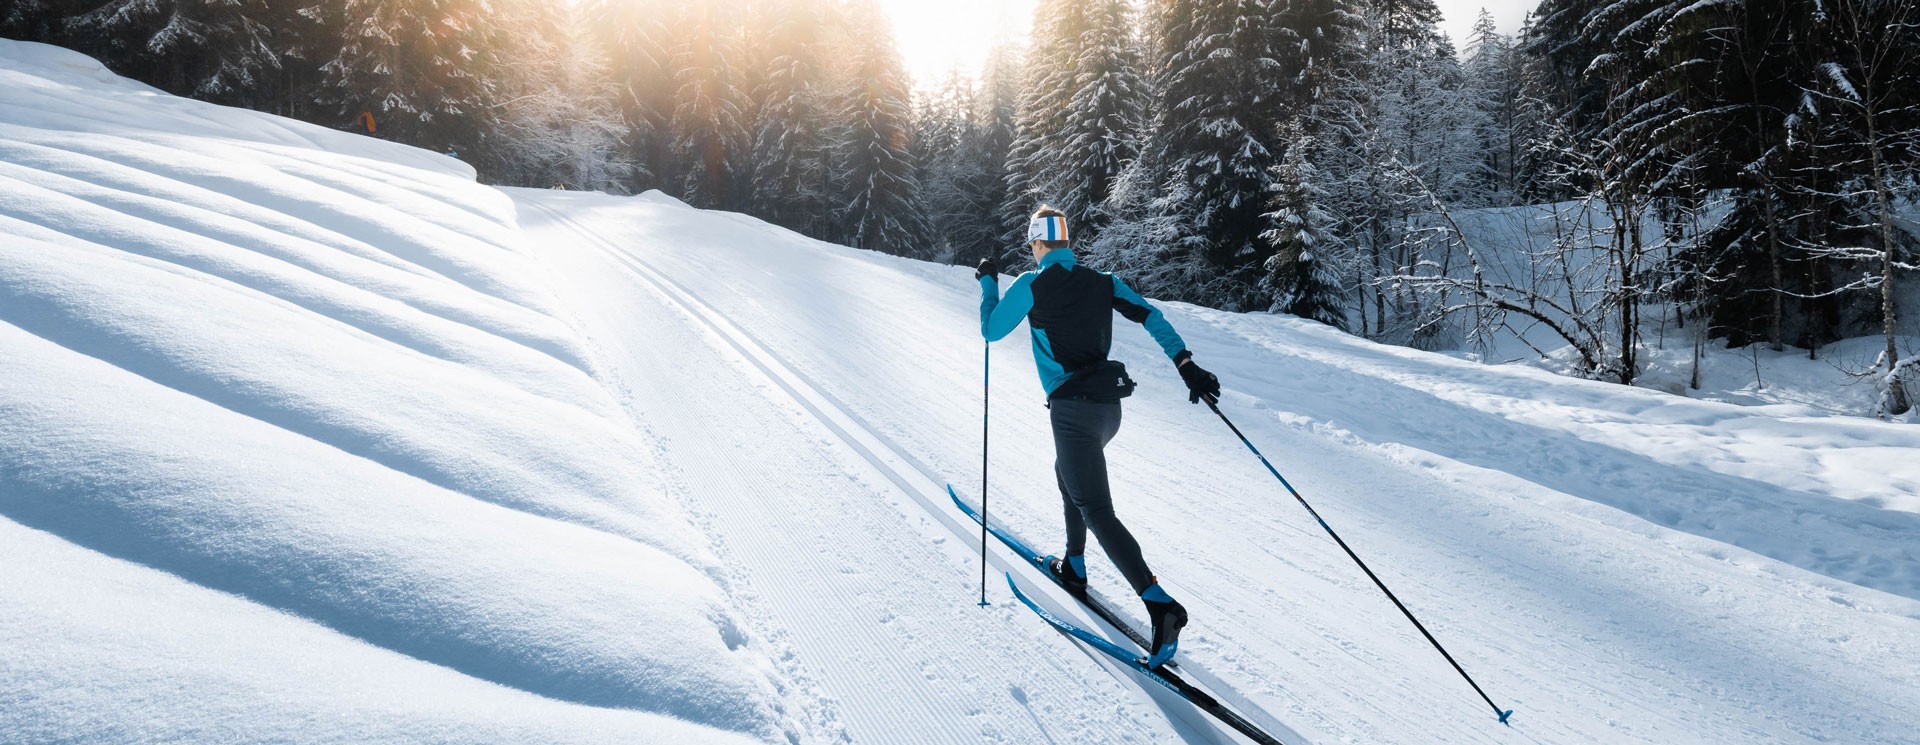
{"x": 805, "y": 602}
{"x": 800, "y": 591}
{"x": 754, "y": 535}
{"x": 775, "y": 557}
{"x": 831, "y": 407}
{"x": 891, "y": 460}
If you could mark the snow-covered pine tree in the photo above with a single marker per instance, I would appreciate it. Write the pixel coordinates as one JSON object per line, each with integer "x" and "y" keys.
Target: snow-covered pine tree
{"x": 1330, "y": 36}
{"x": 1562, "y": 40}
{"x": 414, "y": 65}
{"x": 1103, "y": 115}
{"x": 1430, "y": 118}
{"x": 1149, "y": 239}
{"x": 633, "y": 36}
{"x": 1485, "y": 44}
{"x": 34, "y": 20}
{"x": 990, "y": 148}
{"x": 1304, "y": 274}
{"x": 793, "y": 137}
{"x": 1034, "y": 162}
{"x": 1363, "y": 182}
{"x": 221, "y": 50}
{"x": 1494, "y": 87}
{"x": 523, "y": 68}
{"x": 1080, "y": 111}
{"x": 943, "y": 126}
{"x": 962, "y": 136}
{"x": 1398, "y": 130}
{"x": 880, "y": 204}
{"x": 1412, "y": 25}
{"x": 559, "y": 121}
{"x": 1221, "y": 89}
{"x": 1867, "y": 105}
{"x": 1723, "y": 77}
{"x": 710, "y": 126}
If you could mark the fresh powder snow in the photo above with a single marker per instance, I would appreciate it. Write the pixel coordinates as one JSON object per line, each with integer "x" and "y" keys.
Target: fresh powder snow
{"x": 308, "y": 437}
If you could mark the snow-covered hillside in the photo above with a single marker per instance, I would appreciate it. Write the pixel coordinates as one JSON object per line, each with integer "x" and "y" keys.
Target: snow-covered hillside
{"x": 295, "y": 444}
{"x": 308, "y": 437}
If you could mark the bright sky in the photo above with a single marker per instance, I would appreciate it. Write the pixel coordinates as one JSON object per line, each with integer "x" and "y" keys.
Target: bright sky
{"x": 936, "y": 36}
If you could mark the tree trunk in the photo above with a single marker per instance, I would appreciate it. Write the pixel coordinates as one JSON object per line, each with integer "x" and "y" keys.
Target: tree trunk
{"x": 1810, "y": 307}
{"x": 1769, "y": 190}
{"x": 1883, "y": 197}
{"x": 1379, "y": 272}
{"x": 1778, "y": 290}
{"x": 1699, "y": 343}
{"x": 1627, "y": 234}
{"x": 1360, "y": 294}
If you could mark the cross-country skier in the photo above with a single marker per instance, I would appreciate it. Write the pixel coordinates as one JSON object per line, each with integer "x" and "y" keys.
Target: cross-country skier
{"x": 1069, "y": 309}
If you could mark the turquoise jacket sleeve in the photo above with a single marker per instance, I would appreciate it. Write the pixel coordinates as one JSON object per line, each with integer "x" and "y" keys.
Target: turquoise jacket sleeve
{"x": 1138, "y": 310}
{"x": 999, "y": 315}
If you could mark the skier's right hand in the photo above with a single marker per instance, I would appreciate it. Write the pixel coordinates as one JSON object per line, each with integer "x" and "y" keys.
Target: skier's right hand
{"x": 987, "y": 269}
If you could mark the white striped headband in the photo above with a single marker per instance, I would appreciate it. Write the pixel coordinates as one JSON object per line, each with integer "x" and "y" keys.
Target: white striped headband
{"x": 1047, "y": 228}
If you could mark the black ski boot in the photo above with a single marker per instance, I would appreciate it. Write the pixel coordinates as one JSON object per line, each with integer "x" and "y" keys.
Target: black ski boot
{"x": 1069, "y": 573}
{"x": 1168, "y": 617}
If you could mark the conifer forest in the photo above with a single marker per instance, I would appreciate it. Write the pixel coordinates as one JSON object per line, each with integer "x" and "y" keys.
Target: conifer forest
{"x": 1742, "y": 172}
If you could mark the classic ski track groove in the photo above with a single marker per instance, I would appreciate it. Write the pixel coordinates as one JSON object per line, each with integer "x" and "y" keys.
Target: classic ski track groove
{"x": 890, "y": 460}
{"x": 738, "y": 517}
{"x": 958, "y": 724}
{"x": 827, "y": 409}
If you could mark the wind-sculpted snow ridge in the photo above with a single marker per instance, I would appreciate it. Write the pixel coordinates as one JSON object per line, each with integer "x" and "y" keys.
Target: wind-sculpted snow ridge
{"x": 295, "y": 446}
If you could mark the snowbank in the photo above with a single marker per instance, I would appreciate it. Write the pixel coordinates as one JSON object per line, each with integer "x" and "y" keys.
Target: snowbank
{"x": 295, "y": 444}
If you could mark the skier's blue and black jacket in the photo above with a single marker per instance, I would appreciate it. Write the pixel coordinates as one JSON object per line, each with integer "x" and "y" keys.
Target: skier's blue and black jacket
{"x": 1070, "y": 311}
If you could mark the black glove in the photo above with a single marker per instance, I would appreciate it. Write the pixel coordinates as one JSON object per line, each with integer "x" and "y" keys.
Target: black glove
{"x": 1200, "y": 383}
{"x": 987, "y": 269}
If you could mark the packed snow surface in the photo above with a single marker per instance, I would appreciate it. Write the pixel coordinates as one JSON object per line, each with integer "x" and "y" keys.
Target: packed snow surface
{"x": 308, "y": 437}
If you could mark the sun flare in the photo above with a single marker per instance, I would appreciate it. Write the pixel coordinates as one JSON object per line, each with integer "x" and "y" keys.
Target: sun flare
{"x": 937, "y": 37}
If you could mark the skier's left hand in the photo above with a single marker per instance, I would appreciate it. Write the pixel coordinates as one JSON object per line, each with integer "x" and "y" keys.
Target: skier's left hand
{"x": 1200, "y": 383}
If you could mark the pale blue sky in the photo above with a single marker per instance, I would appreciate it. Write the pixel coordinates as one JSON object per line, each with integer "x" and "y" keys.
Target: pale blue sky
{"x": 937, "y": 35}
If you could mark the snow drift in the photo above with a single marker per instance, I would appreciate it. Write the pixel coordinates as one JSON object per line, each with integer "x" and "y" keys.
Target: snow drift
{"x": 288, "y": 418}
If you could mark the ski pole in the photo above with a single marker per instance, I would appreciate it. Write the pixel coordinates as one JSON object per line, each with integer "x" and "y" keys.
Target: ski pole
{"x": 1503, "y": 714}
{"x": 986, "y": 379}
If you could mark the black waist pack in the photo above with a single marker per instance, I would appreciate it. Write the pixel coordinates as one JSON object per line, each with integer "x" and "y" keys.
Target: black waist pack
{"x": 1106, "y": 382}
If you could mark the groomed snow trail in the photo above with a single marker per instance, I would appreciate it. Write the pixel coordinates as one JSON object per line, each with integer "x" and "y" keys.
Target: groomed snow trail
{"x": 872, "y": 596}
{"x": 1566, "y": 603}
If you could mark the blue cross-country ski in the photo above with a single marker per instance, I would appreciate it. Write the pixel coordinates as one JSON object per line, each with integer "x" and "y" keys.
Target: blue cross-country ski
{"x": 1164, "y": 675}
{"x": 1200, "y": 699}
{"x": 1039, "y": 561}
